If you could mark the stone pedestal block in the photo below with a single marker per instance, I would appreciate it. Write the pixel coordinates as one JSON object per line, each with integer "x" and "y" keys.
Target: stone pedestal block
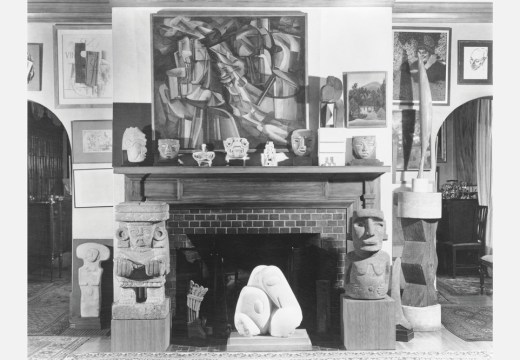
{"x": 298, "y": 341}
{"x": 141, "y": 311}
{"x": 141, "y": 335}
{"x": 368, "y": 324}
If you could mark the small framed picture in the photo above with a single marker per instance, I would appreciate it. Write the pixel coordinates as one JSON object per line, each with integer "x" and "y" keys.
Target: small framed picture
{"x": 83, "y": 65}
{"x": 34, "y": 67}
{"x": 365, "y": 97}
{"x": 475, "y": 62}
{"x": 91, "y": 141}
{"x": 97, "y": 189}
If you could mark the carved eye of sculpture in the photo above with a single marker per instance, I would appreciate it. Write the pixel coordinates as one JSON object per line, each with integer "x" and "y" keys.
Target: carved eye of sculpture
{"x": 160, "y": 234}
{"x": 272, "y": 281}
{"x": 122, "y": 234}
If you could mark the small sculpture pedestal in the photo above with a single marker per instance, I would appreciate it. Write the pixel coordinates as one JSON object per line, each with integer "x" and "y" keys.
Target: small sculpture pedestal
{"x": 298, "y": 341}
{"x": 368, "y": 324}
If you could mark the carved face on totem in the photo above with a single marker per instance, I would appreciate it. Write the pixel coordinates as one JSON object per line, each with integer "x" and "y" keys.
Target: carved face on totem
{"x": 368, "y": 230}
{"x": 302, "y": 142}
{"x": 141, "y": 235}
{"x": 91, "y": 255}
{"x": 168, "y": 148}
{"x": 363, "y": 147}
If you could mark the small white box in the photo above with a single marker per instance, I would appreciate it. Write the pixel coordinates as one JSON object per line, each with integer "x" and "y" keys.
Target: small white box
{"x": 332, "y": 143}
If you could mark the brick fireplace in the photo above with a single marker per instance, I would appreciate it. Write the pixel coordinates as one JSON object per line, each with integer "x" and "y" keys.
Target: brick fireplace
{"x": 308, "y": 204}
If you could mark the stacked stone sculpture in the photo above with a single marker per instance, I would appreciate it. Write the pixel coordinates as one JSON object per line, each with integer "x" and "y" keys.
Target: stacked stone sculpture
{"x": 89, "y": 277}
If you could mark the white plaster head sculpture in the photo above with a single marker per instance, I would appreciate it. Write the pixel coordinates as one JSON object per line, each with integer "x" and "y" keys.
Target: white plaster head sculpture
{"x": 236, "y": 147}
{"x": 285, "y": 312}
{"x": 364, "y": 147}
{"x": 134, "y": 142}
{"x": 168, "y": 148}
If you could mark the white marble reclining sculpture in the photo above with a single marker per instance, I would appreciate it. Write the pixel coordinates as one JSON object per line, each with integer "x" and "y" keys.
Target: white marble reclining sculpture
{"x": 267, "y": 305}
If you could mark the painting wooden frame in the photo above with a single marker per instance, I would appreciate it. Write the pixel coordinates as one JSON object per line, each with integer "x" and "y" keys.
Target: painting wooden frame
{"x": 435, "y": 45}
{"x": 91, "y": 141}
{"x": 34, "y": 66}
{"x": 83, "y": 74}
{"x": 475, "y": 62}
{"x": 262, "y": 103}
{"x": 97, "y": 188}
{"x": 365, "y": 98}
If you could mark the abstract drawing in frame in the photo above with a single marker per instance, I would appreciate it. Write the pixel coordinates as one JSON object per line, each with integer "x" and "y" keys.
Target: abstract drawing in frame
{"x": 475, "y": 62}
{"x": 83, "y": 66}
{"x": 34, "y": 67}
{"x": 365, "y": 95}
{"x": 406, "y": 141}
{"x": 432, "y": 46}
{"x": 220, "y": 75}
{"x": 92, "y": 141}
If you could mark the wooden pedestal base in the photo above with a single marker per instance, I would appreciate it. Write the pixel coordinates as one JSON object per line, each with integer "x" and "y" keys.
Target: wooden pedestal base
{"x": 299, "y": 341}
{"x": 368, "y": 324}
{"x": 85, "y": 323}
{"x": 141, "y": 335}
{"x": 403, "y": 334}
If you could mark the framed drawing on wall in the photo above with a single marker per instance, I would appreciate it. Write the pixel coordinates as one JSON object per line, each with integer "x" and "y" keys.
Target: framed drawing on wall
{"x": 406, "y": 141}
{"x": 34, "y": 67}
{"x": 365, "y": 97}
{"x": 97, "y": 188}
{"x": 475, "y": 62}
{"x": 220, "y": 75}
{"x": 83, "y": 66}
{"x": 432, "y": 47}
{"x": 91, "y": 141}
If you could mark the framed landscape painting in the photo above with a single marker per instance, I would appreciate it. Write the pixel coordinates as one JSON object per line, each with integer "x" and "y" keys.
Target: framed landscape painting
{"x": 432, "y": 47}
{"x": 83, "y": 66}
{"x": 365, "y": 95}
{"x": 218, "y": 75}
{"x": 475, "y": 62}
{"x": 34, "y": 67}
{"x": 92, "y": 141}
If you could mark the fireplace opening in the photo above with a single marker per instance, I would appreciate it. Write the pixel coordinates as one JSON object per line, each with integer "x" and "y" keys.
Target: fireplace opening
{"x": 223, "y": 263}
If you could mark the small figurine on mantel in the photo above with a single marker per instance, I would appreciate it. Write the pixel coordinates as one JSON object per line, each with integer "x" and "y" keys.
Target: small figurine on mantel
{"x": 269, "y": 155}
{"x": 331, "y": 104}
{"x": 236, "y": 149}
{"x": 302, "y": 143}
{"x": 168, "y": 148}
{"x": 204, "y": 158}
{"x": 364, "y": 151}
{"x": 134, "y": 142}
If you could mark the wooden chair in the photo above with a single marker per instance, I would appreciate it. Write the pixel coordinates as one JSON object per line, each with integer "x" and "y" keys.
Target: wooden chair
{"x": 486, "y": 262}
{"x": 475, "y": 243}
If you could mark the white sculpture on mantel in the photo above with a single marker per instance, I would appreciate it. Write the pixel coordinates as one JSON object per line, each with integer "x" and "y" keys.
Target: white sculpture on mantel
{"x": 236, "y": 149}
{"x": 269, "y": 155}
{"x": 204, "y": 158}
{"x": 134, "y": 142}
{"x": 89, "y": 277}
{"x": 267, "y": 305}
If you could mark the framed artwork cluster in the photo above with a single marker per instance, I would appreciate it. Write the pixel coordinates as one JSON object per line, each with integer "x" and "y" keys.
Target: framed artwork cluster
{"x": 34, "y": 66}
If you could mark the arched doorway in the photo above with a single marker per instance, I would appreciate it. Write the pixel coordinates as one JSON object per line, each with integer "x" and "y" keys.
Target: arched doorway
{"x": 49, "y": 207}
{"x": 464, "y": 173}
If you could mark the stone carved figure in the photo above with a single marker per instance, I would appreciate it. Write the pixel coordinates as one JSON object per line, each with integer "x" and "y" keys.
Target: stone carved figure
{"x": 367, "y": 268}
{"x": 236, "y": 148}
{"x": 204, "y": 158}
{"x": 267, "y": 305}
{"x": 364, "y": 151}
{"x": 141, "y": 261}
{"x": 268, "y": 157}
{"x": 134, "y": 142}
{"x": 302, "y": 142}
{"x": 168, "y": 148}
{"x": 89, "y": 277}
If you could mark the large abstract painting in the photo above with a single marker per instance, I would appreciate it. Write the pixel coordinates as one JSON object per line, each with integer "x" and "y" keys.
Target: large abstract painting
{"x": 221, "y": 76}
{"x": 83, "y": 65}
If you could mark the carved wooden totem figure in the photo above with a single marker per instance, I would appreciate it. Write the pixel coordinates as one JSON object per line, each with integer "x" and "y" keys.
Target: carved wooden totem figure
{"x": 141, "y": 261}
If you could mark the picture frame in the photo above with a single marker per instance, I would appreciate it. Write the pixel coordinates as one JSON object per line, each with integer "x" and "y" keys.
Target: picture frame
{"x": 441, "y": 144}
{"x": 83, "y": 71}
{"x": 265, "y": 102}
{"x": 365, "y": 98}
{"x": 34, "y": 66}
{"x": 97, "y": 188}
{"x": 475, "y": 62}
{"x": 434, "y": 47}
{"x": 406, "y": 143}
{"x": 91, "y": 141}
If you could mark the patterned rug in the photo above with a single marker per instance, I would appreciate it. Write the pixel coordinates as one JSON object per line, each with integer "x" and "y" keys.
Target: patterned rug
{"x": 470, "y": 323}
{"x": 463, "y": 285}
{"x": 309, "y": 355}
{"x": 48, "y": 307}
{"x": 52, "y": 347}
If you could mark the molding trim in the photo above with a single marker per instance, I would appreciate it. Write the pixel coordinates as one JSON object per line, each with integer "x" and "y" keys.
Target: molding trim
{"x": 249, "y": 3}
{"x": 437, "y": 12}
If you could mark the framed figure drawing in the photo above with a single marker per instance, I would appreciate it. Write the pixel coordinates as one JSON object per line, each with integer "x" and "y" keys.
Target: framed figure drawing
{"x": 365, "y": 95}
{"x": 34, "y": 67}
{"x": 432, "y": 47}
{"x": 218, "y": 75}
{"x": 475, "y": 62}
{"x": 92, "y": 141}
{"x": 83, "y": 65}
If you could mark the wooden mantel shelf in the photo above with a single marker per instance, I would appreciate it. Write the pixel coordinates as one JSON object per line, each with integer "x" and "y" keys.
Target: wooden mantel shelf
{"x": 221, "y": 171}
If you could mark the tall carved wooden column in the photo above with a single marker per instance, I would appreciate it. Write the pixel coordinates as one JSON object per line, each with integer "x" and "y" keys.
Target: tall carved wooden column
{"x": 419, "y": 213}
